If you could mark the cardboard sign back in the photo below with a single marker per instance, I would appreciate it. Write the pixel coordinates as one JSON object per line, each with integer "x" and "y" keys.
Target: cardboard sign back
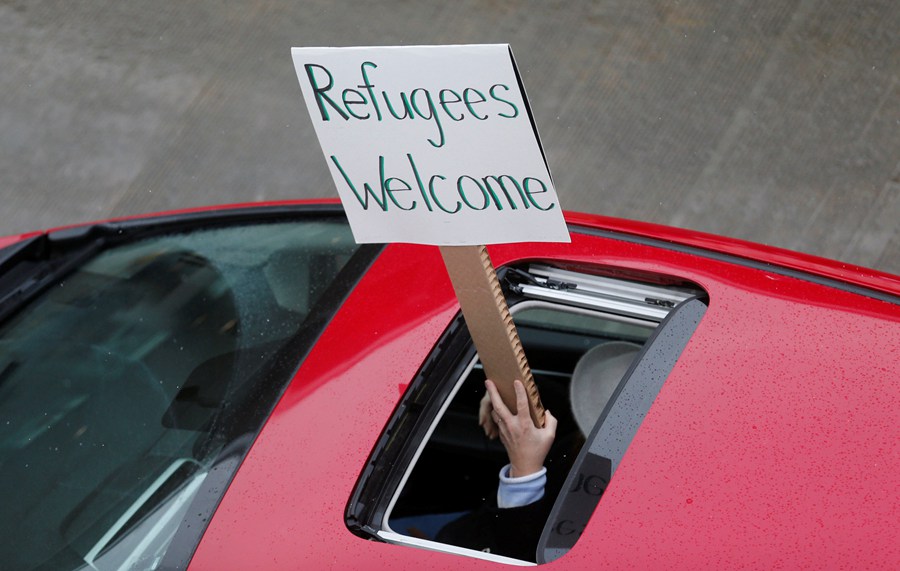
{"x": 490, "y": 324}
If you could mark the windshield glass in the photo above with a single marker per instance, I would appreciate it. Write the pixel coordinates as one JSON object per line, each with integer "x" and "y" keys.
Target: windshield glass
{"x": 122, "y": 384}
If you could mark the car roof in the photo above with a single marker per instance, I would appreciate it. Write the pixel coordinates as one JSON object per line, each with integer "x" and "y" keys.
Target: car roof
{"x": 773, "y": 441}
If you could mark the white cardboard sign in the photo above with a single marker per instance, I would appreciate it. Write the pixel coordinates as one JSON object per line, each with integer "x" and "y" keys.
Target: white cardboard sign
{"x": 431, "y": 144}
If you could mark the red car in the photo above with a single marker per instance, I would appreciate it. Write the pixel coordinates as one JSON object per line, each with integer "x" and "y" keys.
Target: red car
{"x": 247, "y": 388}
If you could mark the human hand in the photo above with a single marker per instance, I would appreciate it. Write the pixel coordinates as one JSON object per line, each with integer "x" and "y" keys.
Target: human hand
{"x": 485, "y": 420}
{"x": 526, "y": 445}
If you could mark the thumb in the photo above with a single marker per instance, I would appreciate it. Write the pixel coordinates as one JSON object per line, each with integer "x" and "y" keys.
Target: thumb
{"x": 549, "y": 421}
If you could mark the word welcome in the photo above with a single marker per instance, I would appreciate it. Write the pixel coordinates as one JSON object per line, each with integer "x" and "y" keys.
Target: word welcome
{"x": 494, "y": 192}
{"x": 361, "y": 103}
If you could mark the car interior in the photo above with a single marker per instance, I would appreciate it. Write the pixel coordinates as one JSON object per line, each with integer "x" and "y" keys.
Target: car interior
{"x": 460, "y": 460}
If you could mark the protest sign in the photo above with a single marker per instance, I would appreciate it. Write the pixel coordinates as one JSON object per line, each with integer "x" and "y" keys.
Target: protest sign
{"x": 437, "y": 145}
{"x": 431, "y": 144}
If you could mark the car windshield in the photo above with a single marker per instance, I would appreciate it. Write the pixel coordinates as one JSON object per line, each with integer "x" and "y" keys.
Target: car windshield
{"x": 124, "y": 384}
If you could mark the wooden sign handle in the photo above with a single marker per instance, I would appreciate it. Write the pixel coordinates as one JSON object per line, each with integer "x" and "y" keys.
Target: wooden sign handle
{"x": 490, "y": 324}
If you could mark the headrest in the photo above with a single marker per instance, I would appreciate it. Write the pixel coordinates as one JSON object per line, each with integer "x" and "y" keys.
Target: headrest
{"x": 596, "y": 376}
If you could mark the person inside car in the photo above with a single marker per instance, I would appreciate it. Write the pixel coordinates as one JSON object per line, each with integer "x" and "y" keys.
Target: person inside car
{"x": 511, "y": 524}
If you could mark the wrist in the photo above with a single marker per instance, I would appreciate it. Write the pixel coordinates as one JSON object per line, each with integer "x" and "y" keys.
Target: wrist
{"x": 524, "y": 470}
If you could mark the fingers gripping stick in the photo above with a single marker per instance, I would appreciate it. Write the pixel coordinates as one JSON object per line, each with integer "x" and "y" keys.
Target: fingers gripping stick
{"x": 526, "y": 444}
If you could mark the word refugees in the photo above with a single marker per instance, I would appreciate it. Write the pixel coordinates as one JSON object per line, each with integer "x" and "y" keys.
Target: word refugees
{"x": 362, "y": 103}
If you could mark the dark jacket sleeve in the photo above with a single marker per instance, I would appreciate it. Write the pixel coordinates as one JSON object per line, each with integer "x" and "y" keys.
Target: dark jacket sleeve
{"x": 513, "y": 532}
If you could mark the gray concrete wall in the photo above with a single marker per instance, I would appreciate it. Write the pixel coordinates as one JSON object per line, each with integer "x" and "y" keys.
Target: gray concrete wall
{"x": 776, "y": 121}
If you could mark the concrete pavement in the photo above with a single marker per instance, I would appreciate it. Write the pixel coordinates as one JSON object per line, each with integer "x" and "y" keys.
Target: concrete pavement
{"x": 776, "y": 121}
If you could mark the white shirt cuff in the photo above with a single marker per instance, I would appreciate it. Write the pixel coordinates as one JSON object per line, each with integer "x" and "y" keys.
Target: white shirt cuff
{"x": 521, "y": 491}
